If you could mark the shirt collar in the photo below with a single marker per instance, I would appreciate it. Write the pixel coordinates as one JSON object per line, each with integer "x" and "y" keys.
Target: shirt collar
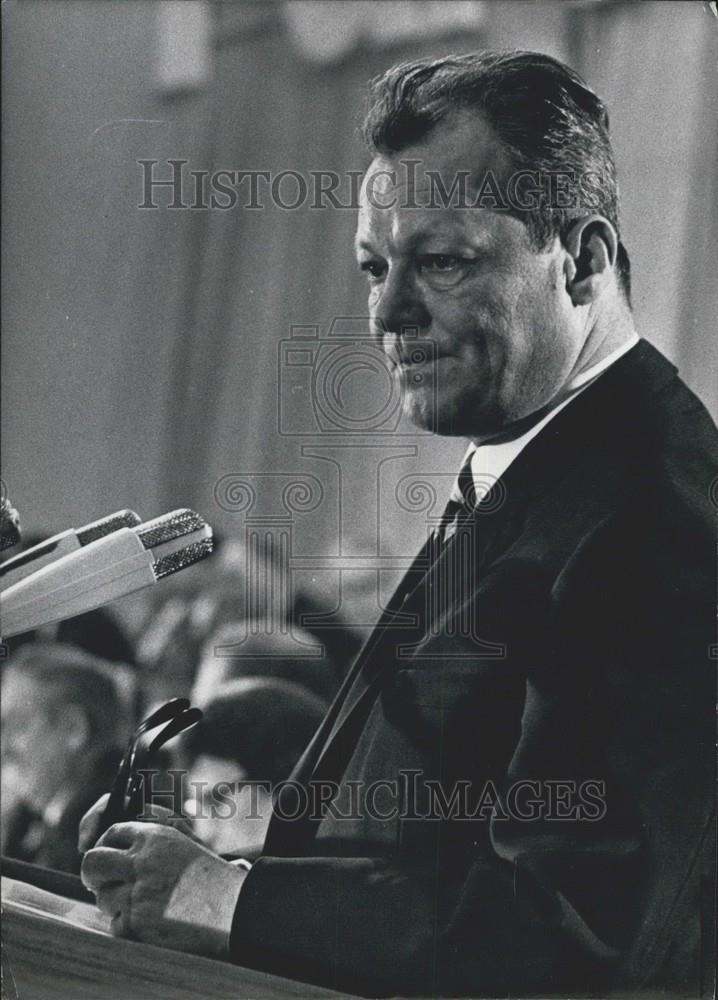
{"x": 583, "y": 378}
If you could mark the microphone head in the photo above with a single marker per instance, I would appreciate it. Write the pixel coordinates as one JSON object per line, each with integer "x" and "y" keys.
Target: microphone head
{"x": 175, "y": 561}
{"x": 176, "y": 540}
{"x": 9, "y": 525}
{"x": 106, "y": 525}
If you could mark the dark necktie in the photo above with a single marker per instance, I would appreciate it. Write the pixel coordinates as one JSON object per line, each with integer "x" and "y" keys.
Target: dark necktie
{"x": 462, "y": 501}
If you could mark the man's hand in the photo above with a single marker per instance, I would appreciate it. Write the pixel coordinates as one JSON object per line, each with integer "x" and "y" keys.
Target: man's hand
{"x": 159, "y": 886}
{"x": 90, "y": 823}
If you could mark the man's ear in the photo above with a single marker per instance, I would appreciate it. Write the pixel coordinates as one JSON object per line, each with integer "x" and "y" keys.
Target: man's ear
{"x": 592, "y": 245}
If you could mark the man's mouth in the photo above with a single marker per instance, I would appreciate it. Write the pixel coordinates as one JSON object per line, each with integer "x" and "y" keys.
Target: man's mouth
{"x": 414, "y": 357}
{"x": 413, "y": 370}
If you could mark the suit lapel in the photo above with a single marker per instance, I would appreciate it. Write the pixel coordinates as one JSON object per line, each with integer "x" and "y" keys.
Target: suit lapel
{"x": 413, "y": 602}
{"x": 280, "y": 835}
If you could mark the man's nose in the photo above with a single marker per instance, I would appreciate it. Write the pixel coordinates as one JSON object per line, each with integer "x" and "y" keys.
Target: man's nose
{"x": 399, "y": 310}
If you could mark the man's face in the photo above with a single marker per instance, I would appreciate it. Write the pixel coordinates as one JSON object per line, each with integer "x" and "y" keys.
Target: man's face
{"x": 35, "y": 756}
{"x": 494, "y": 309}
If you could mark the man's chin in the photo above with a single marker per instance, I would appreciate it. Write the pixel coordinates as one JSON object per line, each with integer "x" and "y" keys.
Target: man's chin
{"x": 450, "y": 421}
{"x": 434, "y": 421}
{"x": 420, "y": 414}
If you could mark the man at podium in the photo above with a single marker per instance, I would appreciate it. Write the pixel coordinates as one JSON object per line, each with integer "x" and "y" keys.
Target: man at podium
{"x": 513, "y": 791}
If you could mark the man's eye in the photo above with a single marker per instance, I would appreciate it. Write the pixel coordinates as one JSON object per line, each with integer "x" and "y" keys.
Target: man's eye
{"x": 443, "y": 270}
{"x": 440, "y": 263}
{"x": 373, "y": 269}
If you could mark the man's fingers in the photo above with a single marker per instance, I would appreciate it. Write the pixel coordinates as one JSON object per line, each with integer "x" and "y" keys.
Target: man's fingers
{"x": 116, "y": 902}
{"x": 158, "y": 814}
{"x": 125, "y": 835}
{"x": 104, "y": 865}
{"x": 152, "y": 813}
{"x": 120, "y": 924}
{"x": 90, "y": 824}
{"x": 114, "y": 898}
{"x": 89, "y": 831}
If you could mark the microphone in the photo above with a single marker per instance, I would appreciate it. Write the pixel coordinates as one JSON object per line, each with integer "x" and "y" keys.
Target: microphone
{"x": 121, "y": 563}
{"x": 22, "y": 565}
{"x": 9, "y": 525}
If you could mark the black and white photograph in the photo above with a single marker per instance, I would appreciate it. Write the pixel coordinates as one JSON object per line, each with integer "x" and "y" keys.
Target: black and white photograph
{"x": 359, "y": 496}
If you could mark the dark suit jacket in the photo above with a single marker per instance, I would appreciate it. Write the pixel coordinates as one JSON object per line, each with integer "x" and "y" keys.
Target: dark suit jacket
{"x": 563, "y": 636}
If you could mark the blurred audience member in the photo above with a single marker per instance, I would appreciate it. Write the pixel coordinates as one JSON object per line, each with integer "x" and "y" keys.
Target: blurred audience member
{"x": 97, "y": 632}
{"x": 239, "y": 593}
{"x": 254, "y": 729}
{"x": 181, "y": 614}
{"x": 64, "y": 713}
{"x": 256, "y": 649}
